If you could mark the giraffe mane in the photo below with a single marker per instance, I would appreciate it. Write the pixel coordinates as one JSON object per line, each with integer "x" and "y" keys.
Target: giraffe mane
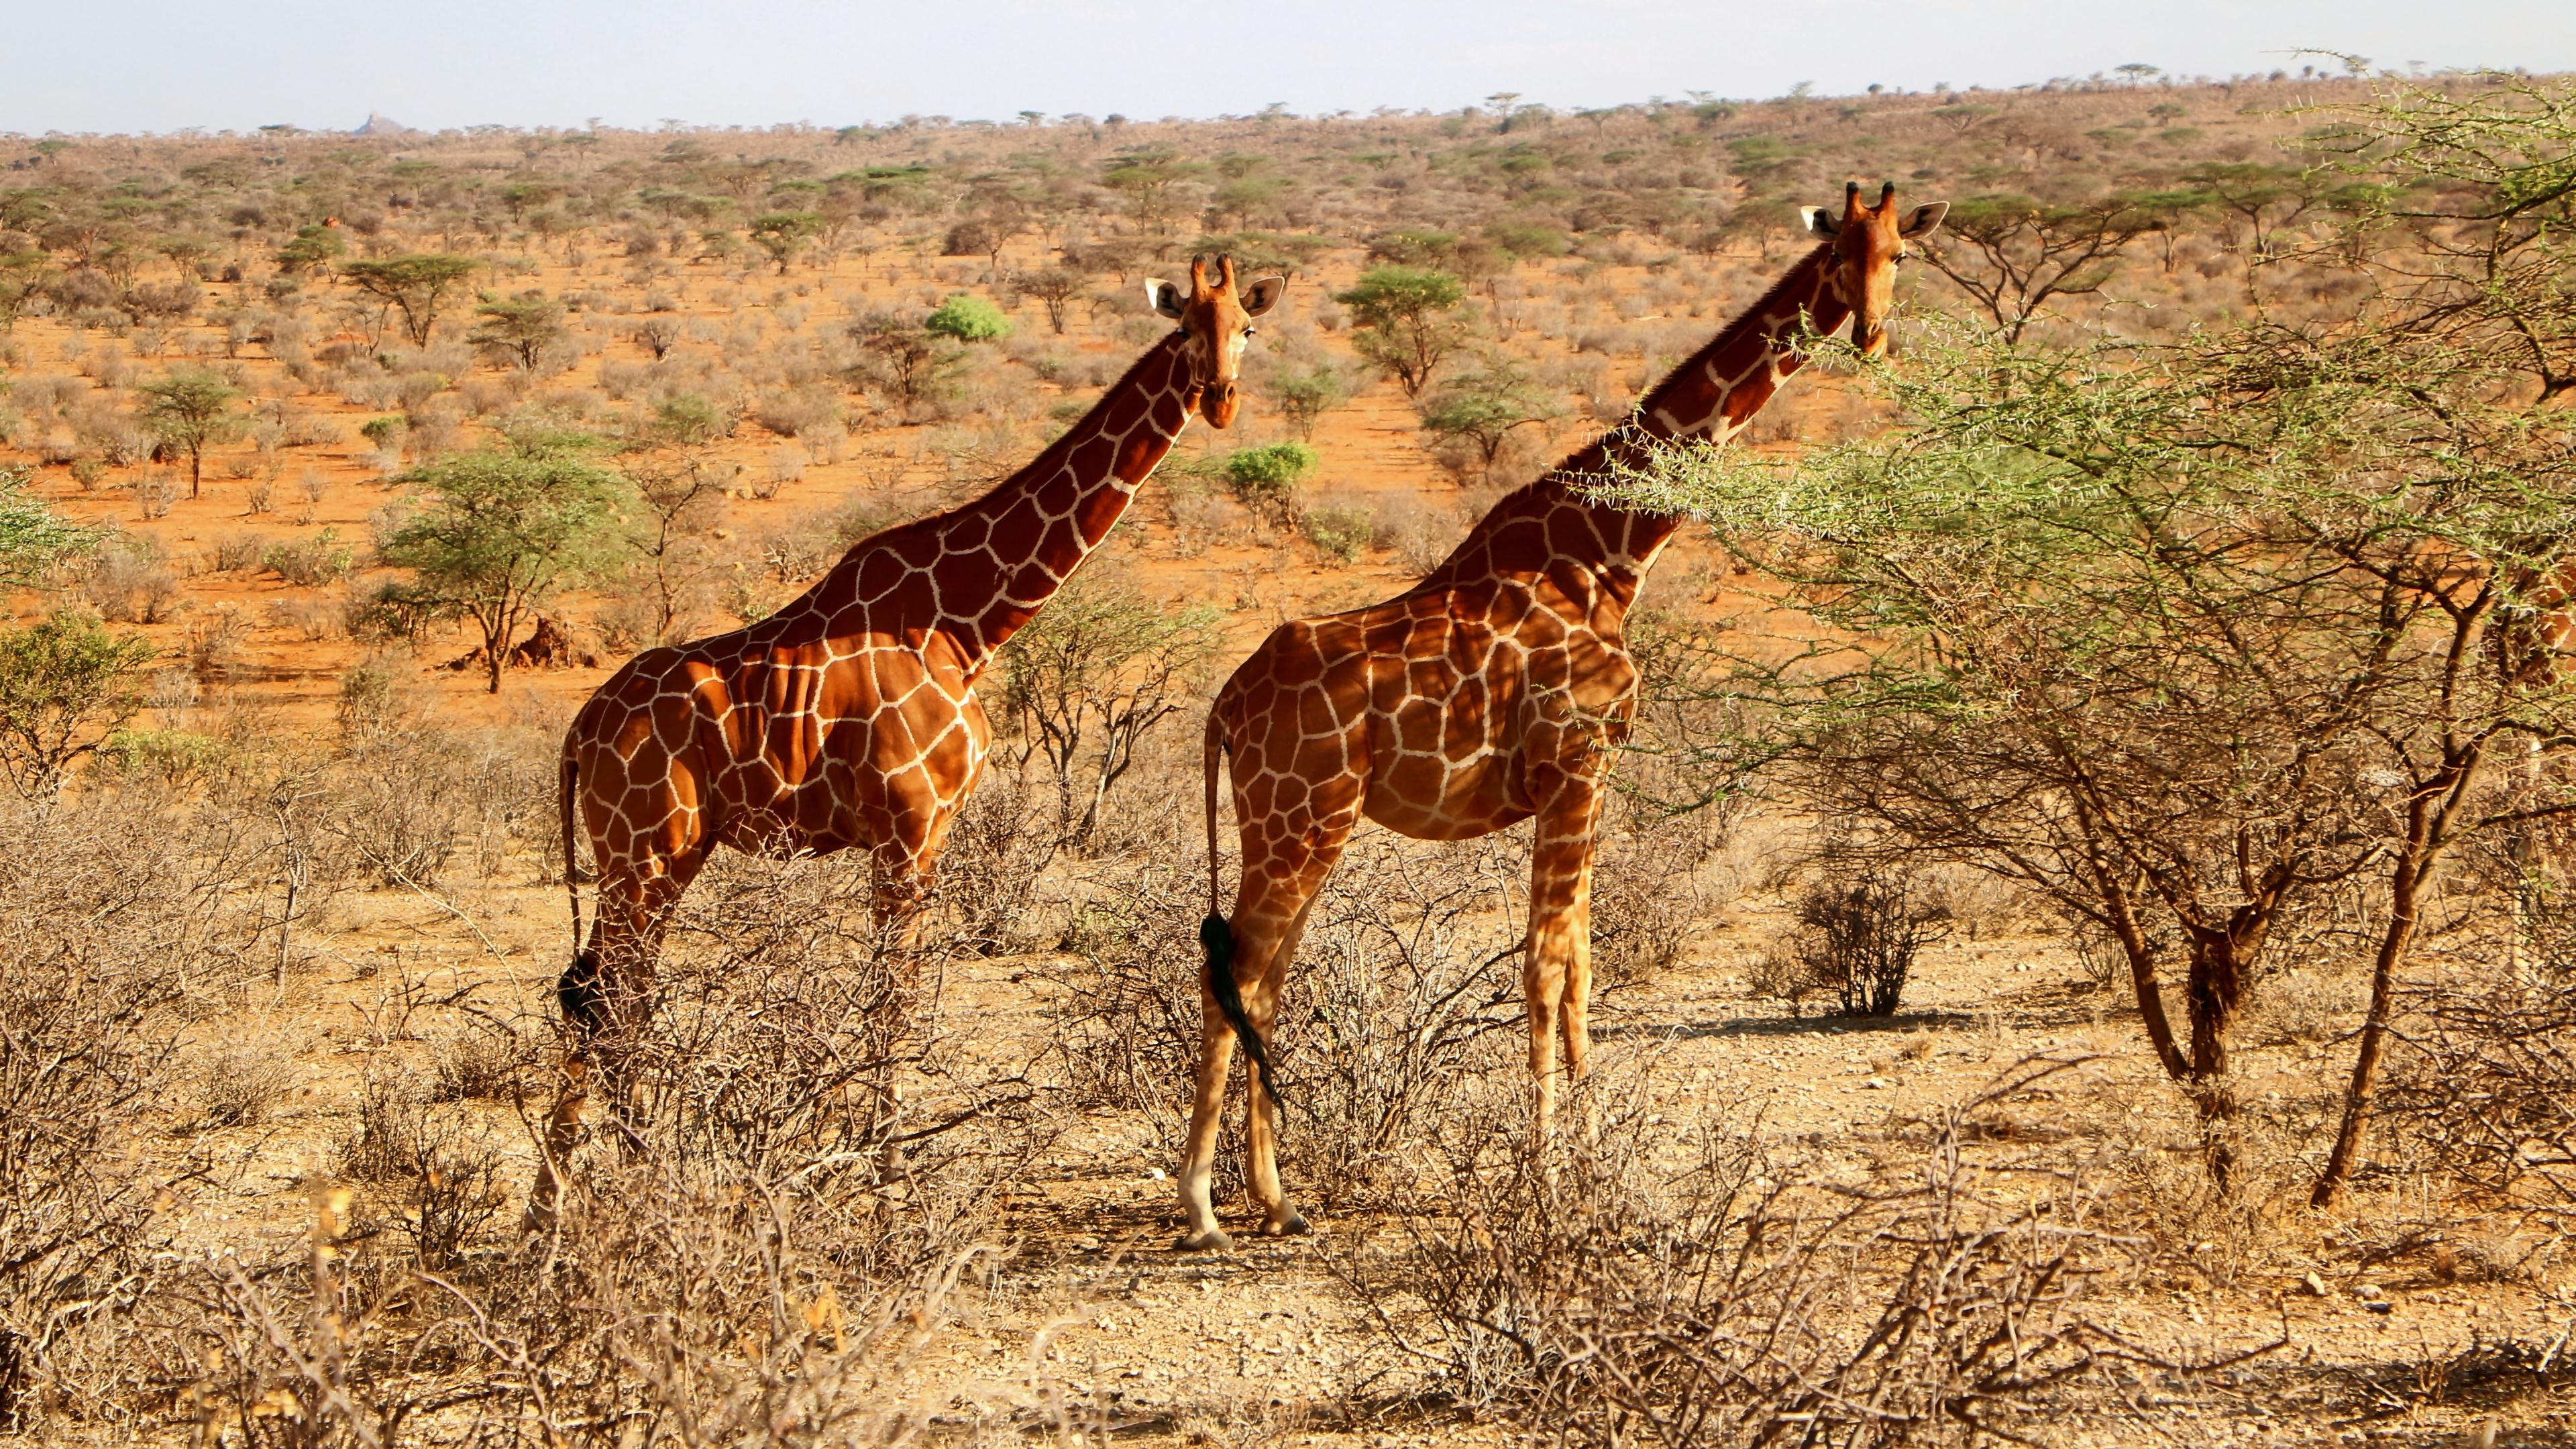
{"x": 1746, "y": 320}
{"x": 1049, "y": 459}
{"x": 1587, "y": 460}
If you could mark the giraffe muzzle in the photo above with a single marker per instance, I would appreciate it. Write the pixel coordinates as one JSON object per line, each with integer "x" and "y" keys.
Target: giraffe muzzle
{"x": 1217, "y": 402}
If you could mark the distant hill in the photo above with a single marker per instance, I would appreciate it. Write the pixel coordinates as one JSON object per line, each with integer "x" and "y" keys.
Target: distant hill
{"x": 382, "y": 126}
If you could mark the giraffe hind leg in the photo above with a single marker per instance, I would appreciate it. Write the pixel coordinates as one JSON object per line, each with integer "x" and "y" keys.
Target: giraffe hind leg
{"x": 1280, "y": 883}
{"x": 579, "y": 994}
{"x": 603, "y": 995}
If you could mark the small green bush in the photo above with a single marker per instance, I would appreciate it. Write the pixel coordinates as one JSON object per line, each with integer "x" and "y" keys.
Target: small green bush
{"x": 321, "y": 559}
{"x": 968, "y": 319}
{"x": 66, "y": 684}
{"x": 1265, "y": 479}
{"x": 176, "y": 757}
{"x": 690, "y": 418}
{"x": 1339, "y": 530}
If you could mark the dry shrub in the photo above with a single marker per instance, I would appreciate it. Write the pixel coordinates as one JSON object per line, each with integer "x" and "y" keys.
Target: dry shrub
{"x": 407, "y": 793}
{"x": 480, "y": 1065}
{"x": 1858, "y": 934}
{"x": 236, "y": 1083}
{"x": 129, "y": 583}
{"x": 1647, "y": 1283}
{"x": 797, "y": 414}
{"x": 1126, "y": 1027}
{"x": 396, "y": 805}
{"x": 109, "y": 939}
{"x": 2483, "y": 1082}
{"x": 983, "y": 899}
{"x": 1202, "y": 516}
{"x": 1649, "y": 889}
{"x": 1405, "y": 989}
{"x": 440, "y": 1177}
{"x": 1341, "y": 526}
{"x": 313, "y": 620}
{"x": 800, "y": 1177}
{"x": 1420, "y": 533}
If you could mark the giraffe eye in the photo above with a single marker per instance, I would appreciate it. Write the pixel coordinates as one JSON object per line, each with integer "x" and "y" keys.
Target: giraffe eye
{"x": 1251, "y": 331}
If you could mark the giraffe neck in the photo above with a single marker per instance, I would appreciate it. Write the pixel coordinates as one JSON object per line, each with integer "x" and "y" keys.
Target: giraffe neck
{"x": 990, "y": 564}
{"x": 1713, "y": 395}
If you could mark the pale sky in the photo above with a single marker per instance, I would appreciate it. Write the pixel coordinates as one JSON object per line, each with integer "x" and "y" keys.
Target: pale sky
{"x": 160, "y": 65}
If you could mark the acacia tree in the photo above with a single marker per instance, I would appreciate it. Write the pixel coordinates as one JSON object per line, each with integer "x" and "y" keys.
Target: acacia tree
{"x": 1406, "y": 322}
{"x": 1098, "y": 668}
{"x": 1304, "y": 393}
{"x": 522, "y": 328}
{"x": 1054, "y": 287}
{"x": 2178, "y": 638}
{"x": 502, "y": 532}
{"x": 783, "y": 234}
{"x": 2482, "y": 185}
{"x": 683, "y": 496}
{"x": 419, "y": 286}
{"x": 22, "y": 275}
{"x": 2011, "y": 253}
{"x": 2262, "y": 195}
{"x": 898, "y": 355}
{"x": 1147, "y": 175}
{"x": 190, "y": 411}
{"x": 1481, "y": 410}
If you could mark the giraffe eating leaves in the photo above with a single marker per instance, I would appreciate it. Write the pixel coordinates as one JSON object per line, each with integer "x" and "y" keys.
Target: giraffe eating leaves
{"x": 1489, "y": 693}
{"x": 848, "y": 718}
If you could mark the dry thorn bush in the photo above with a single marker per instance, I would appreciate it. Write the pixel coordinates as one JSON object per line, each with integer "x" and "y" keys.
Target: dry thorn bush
{"x": 799, "y": 1186}
{"x": 111, "y": 943}
{"x": 1654, "y": 1281}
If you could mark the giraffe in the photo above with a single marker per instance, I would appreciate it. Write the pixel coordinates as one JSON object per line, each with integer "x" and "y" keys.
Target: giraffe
{"x": 848, "y": 718}
{"x": 1489, "y": 693}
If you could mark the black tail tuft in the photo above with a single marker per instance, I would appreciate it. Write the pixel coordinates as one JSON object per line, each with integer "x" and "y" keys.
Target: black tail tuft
{"x": 1218, "y": 938}
{"x": 578, "y": 992}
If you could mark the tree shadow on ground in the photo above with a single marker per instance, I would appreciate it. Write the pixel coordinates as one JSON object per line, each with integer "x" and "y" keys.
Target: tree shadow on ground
{"x": 1784, "y": 1026}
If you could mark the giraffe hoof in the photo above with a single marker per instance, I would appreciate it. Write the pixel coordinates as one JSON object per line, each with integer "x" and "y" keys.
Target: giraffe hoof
{"x": 1293, "y": 1226}
{"x": 1213, "y": 1240}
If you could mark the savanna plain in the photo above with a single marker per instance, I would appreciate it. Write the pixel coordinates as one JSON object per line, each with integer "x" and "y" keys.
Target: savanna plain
{"x": 2083, "y": 953}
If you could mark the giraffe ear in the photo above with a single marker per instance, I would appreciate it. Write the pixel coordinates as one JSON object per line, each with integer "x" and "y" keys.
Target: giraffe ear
{"x": 1925, "y": 221}
{"x": 1164, "y": 297}
{"x": 1263, "y": 295}
{"x": 1819, "y": 220}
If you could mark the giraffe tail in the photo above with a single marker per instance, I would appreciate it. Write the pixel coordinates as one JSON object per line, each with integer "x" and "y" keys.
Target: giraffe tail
{"x": 578, "y": 990}
{"x": 1218, "y": 937}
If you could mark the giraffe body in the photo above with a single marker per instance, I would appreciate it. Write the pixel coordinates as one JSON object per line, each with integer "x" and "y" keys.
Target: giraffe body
{"x": 848, "y": 718}
{"x": 1491, "y": 692}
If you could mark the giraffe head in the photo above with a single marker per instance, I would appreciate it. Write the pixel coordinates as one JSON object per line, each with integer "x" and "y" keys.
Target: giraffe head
{"x": 1217, "y": 317}
{"x": 1867, "y": 243}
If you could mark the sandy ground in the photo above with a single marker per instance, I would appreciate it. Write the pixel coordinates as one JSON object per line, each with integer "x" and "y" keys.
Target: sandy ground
{"x": 1093, "y": 1310}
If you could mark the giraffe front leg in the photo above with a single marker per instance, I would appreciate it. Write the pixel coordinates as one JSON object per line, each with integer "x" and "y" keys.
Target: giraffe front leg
{"x": 1556, "y": 974}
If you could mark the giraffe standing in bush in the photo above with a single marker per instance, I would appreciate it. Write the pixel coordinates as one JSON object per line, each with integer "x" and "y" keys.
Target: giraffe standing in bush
{"x": 1489, "y": 693}
{"x": 848, "y": 718}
